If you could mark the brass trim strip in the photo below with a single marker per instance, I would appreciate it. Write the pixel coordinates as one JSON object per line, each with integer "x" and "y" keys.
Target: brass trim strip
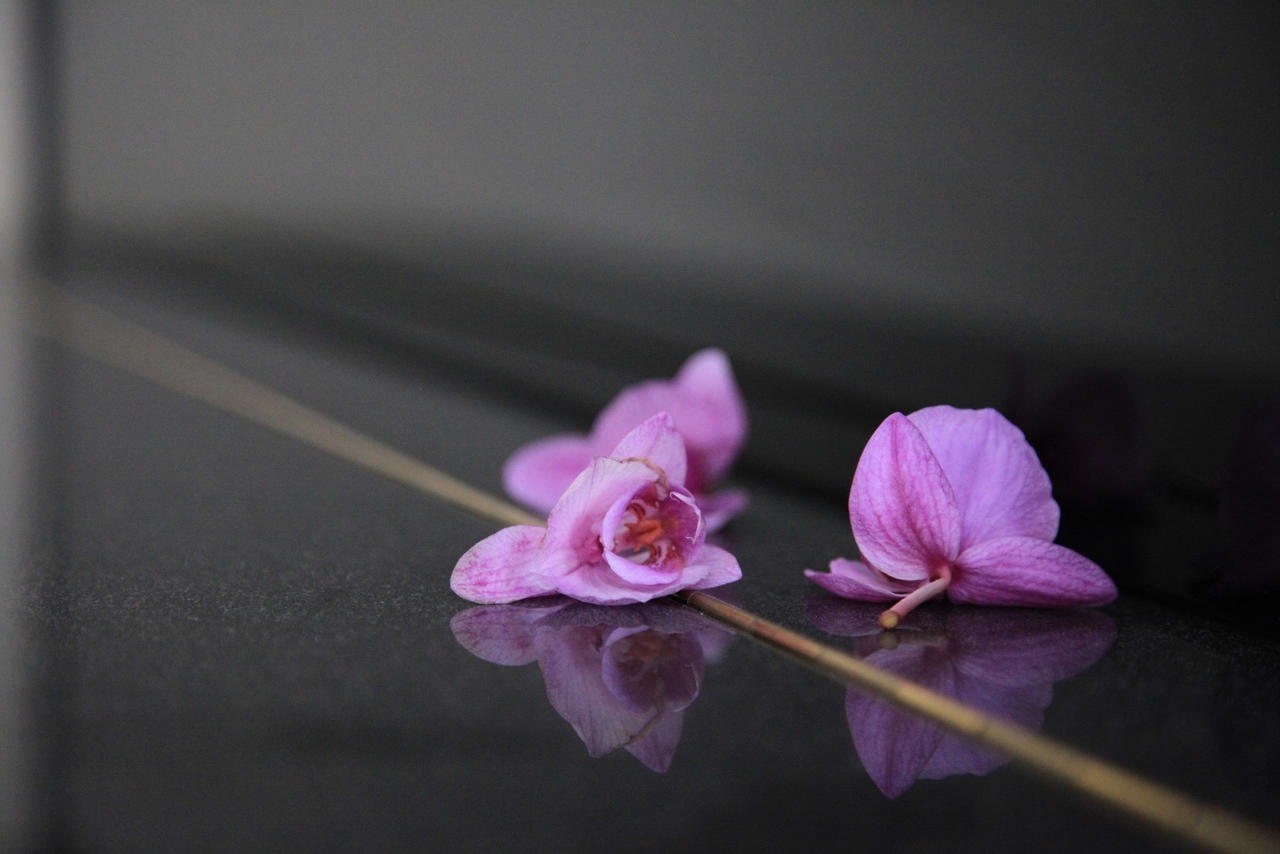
{"x": 109, "y": 338}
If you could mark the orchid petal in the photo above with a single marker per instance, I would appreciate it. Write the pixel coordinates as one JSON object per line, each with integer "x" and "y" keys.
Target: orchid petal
{"x": 713, "y": 567}
{"x": 998, "y": 482}
{"x": 855, "y": 580}
{"x": 539, "y": 473}
{"x": 642, "y": 574}
{"x": 904, "y": 513}
{"x": 1027, "y": 571}
{"x": 503, "y": 567}
{"x": 657, "y": 441}
{"x": 598, "y": 584}
{"x": 574, "y": 524}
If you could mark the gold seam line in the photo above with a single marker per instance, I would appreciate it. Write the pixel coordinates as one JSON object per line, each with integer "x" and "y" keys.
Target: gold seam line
{"x": 1164, "y": 807}
{"x": 128, "y": 346}
{"x": 119, "y": 342}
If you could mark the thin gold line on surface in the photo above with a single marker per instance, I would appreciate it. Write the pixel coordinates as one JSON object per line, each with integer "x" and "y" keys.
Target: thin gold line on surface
{"x": 108, "y": 338}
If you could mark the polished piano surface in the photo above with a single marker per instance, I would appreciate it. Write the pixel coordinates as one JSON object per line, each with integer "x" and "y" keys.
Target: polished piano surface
{"x": 245, "y": 643}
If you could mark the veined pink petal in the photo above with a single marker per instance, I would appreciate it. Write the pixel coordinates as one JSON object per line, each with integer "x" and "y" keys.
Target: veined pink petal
{"x": 1027, "y": 571}
{"x": 657, "y": 441}
{"x": 904, "y": 514}
{"x": 712, "y": 567}
{"x": 718, "y": 508}
{"x": 853, "y": 579}
{"x": 503, "y": 567}
{"x": 998, "y": 482}
{"x": 539, "y": 473}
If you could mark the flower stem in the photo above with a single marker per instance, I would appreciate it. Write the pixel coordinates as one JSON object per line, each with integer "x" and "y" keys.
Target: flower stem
{"x": 904, "y": 606}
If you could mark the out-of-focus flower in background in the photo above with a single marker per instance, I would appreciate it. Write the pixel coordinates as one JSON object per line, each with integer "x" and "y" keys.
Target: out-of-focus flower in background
{"x": 704, "y": 400}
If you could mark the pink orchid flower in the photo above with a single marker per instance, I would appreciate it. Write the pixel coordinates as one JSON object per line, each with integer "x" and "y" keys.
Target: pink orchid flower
{"x": 626, "y": 530}
{"x": 955, "y": 501}
{"x": 708, "y": 410}
{"x": 1002, "y": 661}
{"x": 621, "y": 677}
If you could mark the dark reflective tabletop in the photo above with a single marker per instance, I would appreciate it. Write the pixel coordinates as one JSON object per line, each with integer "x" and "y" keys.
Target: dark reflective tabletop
{"x": 245, "y": 644}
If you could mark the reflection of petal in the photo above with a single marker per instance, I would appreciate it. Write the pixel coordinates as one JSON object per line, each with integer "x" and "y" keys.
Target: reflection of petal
{"x": 658, "y": 747}
{"x": 571, "y": 669}
{"x": 502, "y": 634}
{"x": 1022, "y": 647}
{"x": 650, "y": 670}
{"x": 895, "y": 745}
{"x": 859, "y": 619}
{"x": 1003, "y": 662}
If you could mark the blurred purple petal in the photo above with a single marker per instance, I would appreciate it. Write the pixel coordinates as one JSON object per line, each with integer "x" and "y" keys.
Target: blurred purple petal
{"x": 539, "y": 473}
{"x": 719, "y": 507}
{"x": 715, "y": 424}
{"x": 1028, "y": 572}
{"x": 904, "y": 514}
{"x": 998, "y": 482}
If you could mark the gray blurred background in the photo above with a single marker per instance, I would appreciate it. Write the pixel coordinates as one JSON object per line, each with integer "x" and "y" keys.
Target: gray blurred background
{"x": 1095, "y": 177}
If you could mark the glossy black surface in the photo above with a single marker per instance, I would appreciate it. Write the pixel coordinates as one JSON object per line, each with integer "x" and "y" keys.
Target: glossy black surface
{"x": 248, "y": 645}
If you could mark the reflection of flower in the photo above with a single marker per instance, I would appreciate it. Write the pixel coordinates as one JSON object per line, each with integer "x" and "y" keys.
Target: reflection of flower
{"x": 622, "y": 677}
{"x": 1001, "y": 661}
{"x": 708, "y": 410}
{"x": 626, "y": 530}
{"x": 955, "y": 500}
